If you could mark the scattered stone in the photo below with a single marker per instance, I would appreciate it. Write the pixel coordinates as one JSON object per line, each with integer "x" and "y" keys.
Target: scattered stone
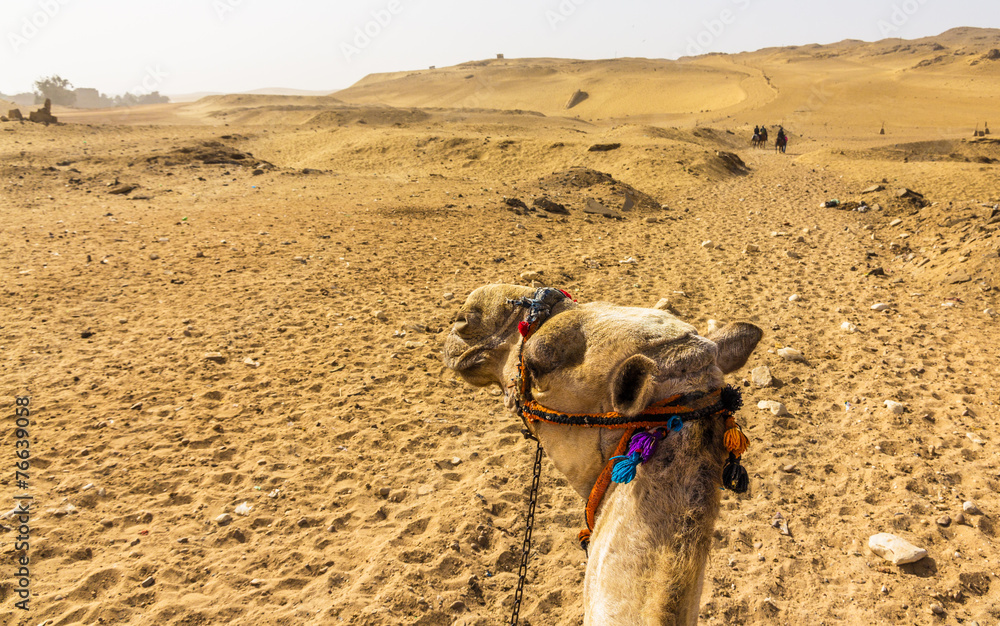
{"x": 880, "y": 306}
{"x": 873, "y": 189}
{"x": 909, "y": 193}
{"x": 215, "y": 357}
{"x": 944, "y": 521}
{"x": 960, "y": 518}
{"x": 894, "y": 549}
{"x": 515, "y": 203}
{"x": 224, "y": 519}
{"x": 792, "y": 254}
{"x": 791, "y": 354}
{"x": 243, "y": 509}
{"x": 848, "y": 327}
{"x": 596, "y": 208}
{"x": 250, "y": 362}
{"x": 300, "y": 259}
{"x": 776, "y": 408}
{"x": 652, "y": 220}
{"x": 123, "y": 190}
{"x": 457, "y": 606}
{"x": 895, "y": 407}
{"x": 530, "y": 276}
{"x": 662, "y": 304}
{"x": 380, "y": 316}
{"x": 147, "y": 583}
{"x": 256, "y": 582}
{"x": 794, "y": 297}
{"x": 550, "y": 207}
{"x": 44, "y": 114}
{"x": 975, "y": 438}
{"x": 154, "y": 256}
{"x": 603, "y": 147}
{"x": 751, "y": 247}
{"x": 780, "y": 523}
{"x": 62, "y": 511}
{"x": 896, "y": 222}
{"x": 936, "y": 609}
{"x": 628, "y": 261}
{"x": 708, "y": 243}
{"x": 448, "y": 295}
{"x": 760, "y": 376}
{"x": 790, "y": 469}
{"x": 989, "y": 312}
{"x": 971, "y": 508}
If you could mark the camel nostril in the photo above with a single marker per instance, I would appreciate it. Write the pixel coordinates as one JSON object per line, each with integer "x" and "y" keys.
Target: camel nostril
{"x": 462, "y": 328}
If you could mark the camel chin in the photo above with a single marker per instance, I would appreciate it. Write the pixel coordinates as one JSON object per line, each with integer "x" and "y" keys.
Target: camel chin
{"x": 600, "y": 357}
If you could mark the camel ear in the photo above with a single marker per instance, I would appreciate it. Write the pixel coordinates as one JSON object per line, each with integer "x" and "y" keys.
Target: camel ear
{"x": 736, "y": 341}
{"x": 633, "y": 388}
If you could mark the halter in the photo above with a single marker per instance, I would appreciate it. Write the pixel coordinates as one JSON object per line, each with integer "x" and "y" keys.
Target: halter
{"x": 641, "y": 432}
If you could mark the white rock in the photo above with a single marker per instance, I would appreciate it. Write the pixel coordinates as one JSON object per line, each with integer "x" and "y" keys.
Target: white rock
{"x": 224, "y": 519}
{"x": 791, "y": 354}
{"x": 972, "y": 437}
{"x": 895, "y": 550}
{"x": 708, "y": 243}
{"x": 251, "y": 362}
{"x": 896, "y": 222}
{"x": 776, "y": 408}
{"x": 448, "y": 295}
{"x": 948, "y": 304}
{"x": 628, "y": 261}
{"x": 895, "y": 407}
{"x": 971, "y": 508}
{"x": 243, "y": 509}
{"x": 760, "y": 376}
{"x": 848, "y": 327}
{"x": 880, "y": 306}
{"x": 794, "y": 297}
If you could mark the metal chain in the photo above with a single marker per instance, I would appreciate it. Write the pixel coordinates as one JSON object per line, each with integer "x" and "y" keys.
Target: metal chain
{"x": 522, "y": 572}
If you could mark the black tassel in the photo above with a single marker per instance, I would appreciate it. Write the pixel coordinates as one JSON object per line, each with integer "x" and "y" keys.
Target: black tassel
{"x": 734, "y": 475}
{"x": 731, "y": 398}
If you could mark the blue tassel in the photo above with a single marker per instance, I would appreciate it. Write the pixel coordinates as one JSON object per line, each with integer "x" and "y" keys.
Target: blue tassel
{"x": 675, "y": 423}
{"x": 624, "y": 470}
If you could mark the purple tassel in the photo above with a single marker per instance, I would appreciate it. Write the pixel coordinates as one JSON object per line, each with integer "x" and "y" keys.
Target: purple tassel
{"x": 644, "y": 443}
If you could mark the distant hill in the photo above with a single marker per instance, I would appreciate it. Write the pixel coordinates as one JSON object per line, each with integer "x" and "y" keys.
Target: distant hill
{"x": 872, "y": 82}
{"x": 266, "y": 91}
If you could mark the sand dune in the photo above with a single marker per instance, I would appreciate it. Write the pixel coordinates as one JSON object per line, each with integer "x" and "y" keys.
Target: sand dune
{"x": 235, "y": 307}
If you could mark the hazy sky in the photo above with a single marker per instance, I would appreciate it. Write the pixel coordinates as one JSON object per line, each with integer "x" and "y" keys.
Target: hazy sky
{"x": 181, "y": 46}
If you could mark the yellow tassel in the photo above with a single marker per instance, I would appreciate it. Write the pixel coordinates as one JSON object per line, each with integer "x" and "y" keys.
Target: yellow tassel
{"x": 736, "y": 442}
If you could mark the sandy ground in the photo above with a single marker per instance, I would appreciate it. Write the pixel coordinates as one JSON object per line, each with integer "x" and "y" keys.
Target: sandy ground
{"x": 241, "y": 329}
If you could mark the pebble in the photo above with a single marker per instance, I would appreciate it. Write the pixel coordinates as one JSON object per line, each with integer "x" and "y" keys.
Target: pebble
{"x": 88, "y": 487}
{"x": 154, "y": 256}
{"x": 652, "y": 220}
{"x": 971, "y": 508}
{"x": 975, "y": 438}
{"x": 848, "y": 327}
{"x": 894, "y": 549}
{"x": 895, "y": 407}
{"x": 760, "y": 376}
{"x": 215, "y": 357}
{"x": 256, "y": 582}
{"x": 250, "y": 362}
{"x": 960, "y": 518}
{"x": 243, "y": 509}
{"x": 789, "y": 469}
{"x": 896, "y": 222}
{"x": 751, "y": 247}
{"x": 989, "y": 312}
{"x": 529, "y": 276}
{"x": 944, "y": 521}
{"x": 776, "y": 408}
{"x": 794, "y": 297}
{"x": 937, "y": 609}
{"x": 708, "y": 243}
{"x": 299, "y": 259}
{"x": 791, "y": 254}
{"x": 224, "y": 519}
{"x": 448, "y": 295}
{"x": 791, "y": 354}
{"x": 148, "y": 582}
{"x": 457, "y": 605}
{"x": 380, "y": 316}
{"x": 628, "y": 261}
{"x": 880, "y": 306}
{"x": 183, "y": 540}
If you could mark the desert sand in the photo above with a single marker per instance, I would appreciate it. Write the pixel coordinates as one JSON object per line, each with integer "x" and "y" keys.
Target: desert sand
{"x": 254, "y": 332}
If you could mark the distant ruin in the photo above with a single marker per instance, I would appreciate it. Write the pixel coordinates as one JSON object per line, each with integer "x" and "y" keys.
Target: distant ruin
{"x": 44, "y": 114}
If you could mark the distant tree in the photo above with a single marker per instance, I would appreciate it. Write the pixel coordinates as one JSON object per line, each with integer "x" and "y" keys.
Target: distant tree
{"x": 55, "y": 88}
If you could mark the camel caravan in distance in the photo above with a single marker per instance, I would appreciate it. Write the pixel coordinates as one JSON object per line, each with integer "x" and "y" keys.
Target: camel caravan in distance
{"x": 630, "y": 405}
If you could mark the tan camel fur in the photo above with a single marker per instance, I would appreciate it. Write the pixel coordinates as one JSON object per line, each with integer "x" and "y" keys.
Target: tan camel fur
{"x": 651, "y": 539}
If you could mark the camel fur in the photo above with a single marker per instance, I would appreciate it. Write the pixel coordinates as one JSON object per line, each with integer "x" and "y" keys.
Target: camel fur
{"x": 652, "y": 536}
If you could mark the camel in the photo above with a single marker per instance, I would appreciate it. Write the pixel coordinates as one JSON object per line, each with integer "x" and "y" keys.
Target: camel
{"x": 651, "y": 538}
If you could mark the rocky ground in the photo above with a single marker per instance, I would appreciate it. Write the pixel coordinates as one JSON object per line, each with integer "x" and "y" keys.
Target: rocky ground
{"x": 240, "y": 413}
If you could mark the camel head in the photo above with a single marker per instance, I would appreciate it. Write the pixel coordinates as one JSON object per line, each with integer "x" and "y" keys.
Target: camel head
{"x": 590, "y": 358}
